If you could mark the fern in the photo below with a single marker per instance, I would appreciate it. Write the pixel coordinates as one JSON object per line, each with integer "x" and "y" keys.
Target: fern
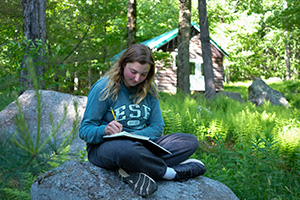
{"x": 172, "y": 122}
{"x": 253, "y": 150}
{"x": 13, "y": 193}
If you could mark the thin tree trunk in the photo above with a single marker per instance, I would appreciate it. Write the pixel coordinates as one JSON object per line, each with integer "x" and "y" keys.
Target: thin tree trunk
{"x": 183, "y": 58}
{"x": 131, "y": 23}
{"x": 34, "y": 32}
{"x": 76, "y": 82}
{"x": 90, "y": 77}
{"x": 210, "y": 88}
{"x": 287, "y": 56}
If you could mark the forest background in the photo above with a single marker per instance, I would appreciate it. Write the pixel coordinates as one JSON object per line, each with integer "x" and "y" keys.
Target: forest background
{"x": 255, "y": 151}
{"x": 83, "y": 36}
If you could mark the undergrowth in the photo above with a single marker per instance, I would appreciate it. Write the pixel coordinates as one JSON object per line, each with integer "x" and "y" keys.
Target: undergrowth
{"x": 25, "y": 155}
{"x": 255, "y": 151}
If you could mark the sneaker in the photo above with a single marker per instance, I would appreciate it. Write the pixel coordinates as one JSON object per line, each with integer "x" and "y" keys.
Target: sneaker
{"x": 140, "y": 183}
{"x": 189, "y": 169}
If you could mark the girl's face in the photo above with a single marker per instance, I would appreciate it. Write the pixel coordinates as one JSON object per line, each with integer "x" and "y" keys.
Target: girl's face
{"x": 135, "y": 73}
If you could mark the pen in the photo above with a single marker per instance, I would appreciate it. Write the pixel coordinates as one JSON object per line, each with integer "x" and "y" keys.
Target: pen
{"x": 112, "y": 111}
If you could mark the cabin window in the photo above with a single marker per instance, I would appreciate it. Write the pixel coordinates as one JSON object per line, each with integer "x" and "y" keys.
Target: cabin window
{"x": 196, "y": 68}
{"x": 192, "y": 68}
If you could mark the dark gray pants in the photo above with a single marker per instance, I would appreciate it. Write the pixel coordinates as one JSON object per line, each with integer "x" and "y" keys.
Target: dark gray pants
{"x": 132, "y": 156}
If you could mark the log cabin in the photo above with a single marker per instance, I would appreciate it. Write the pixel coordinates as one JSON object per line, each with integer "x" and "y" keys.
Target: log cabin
{"x": 166, "y": 73}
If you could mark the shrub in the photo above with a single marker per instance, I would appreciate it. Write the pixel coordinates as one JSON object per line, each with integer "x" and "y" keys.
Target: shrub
{"x": 25, "y": 155}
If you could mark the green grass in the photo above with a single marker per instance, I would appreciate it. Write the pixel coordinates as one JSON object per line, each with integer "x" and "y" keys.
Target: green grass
{"x": 239, "y": 87}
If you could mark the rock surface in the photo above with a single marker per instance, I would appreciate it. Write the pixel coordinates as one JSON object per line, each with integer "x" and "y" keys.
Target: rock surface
{"x": 83, "y": 181}
{"x": 259, "y": 91}
{"x": 51, "y": 102}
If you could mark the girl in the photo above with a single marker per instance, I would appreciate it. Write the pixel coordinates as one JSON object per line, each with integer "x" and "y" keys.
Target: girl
{"x": 128, "y": 89}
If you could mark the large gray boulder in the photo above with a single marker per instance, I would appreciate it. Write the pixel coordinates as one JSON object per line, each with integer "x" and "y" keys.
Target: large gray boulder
{"x": 51, "y": 102}
{"x": 84, "y": 181}
{"x": 259, "y": 91}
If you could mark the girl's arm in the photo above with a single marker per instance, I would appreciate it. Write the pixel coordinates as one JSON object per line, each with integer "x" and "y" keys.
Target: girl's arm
{"x": 92, "y": 126}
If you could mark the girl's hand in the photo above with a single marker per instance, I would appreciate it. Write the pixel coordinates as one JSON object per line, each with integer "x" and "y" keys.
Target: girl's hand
{"x": 113, "y": 127}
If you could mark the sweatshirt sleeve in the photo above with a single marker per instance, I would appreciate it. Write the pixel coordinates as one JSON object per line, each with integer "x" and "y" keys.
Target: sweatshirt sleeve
{"x": 155, "y": 124}
{"x": 92, "y": 125}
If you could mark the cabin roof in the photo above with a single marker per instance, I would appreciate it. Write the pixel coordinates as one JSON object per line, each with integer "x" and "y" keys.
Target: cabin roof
{"x": 159, "y": 41}
{"x": 162, "y": 39}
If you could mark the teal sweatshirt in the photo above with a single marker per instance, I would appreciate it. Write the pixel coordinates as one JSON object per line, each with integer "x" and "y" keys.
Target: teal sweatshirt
{"x": 144, "y": 118}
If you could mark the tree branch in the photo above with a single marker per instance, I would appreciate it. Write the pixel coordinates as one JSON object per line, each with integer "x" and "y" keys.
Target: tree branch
{"x": 72, "y": 51}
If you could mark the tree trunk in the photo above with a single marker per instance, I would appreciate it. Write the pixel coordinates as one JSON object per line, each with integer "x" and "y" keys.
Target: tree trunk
{"x": 131, "y": 23}
{"x": 183, "y": 58}
{"x": 34, "y": 32}
{"x": 210, "y": 88}
{"x": 287, "y": 55}
{"x": 90, "y": 77}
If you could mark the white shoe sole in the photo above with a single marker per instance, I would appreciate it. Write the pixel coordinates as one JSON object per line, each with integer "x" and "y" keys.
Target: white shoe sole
{"x": 192, "y": 160}
{"x": 140, "y": 183}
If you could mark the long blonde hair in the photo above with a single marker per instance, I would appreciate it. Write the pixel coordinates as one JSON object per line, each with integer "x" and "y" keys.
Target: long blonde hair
{"x": 135, "y": 53}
